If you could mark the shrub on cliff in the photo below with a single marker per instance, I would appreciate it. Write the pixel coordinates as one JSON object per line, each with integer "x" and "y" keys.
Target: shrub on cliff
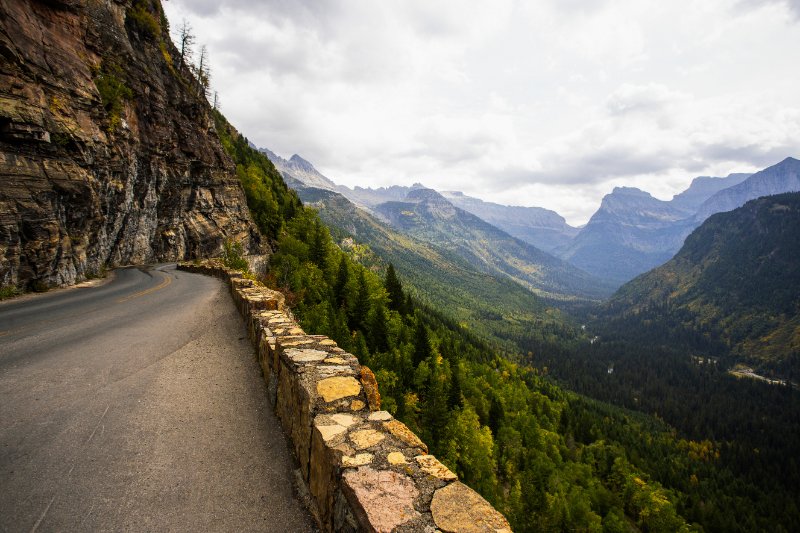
{"x": 113, "y": 91}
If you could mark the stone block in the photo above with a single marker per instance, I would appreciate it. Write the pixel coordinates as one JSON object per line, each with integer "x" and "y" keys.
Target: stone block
{"x": 370, "y": 385}
{"x": 334, "y": 388}
{"x": 458, "y": 508}
{"x": 431, "y": 466}
{"x": 381, "y": 500}
{"x": 405, "y": 435}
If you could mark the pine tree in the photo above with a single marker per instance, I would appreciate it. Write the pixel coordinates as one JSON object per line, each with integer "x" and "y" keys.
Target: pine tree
{"x": 434, "y": 408}
{"x": 360, "y": 349}
{"x": 319, "y": 246}
{"x": 340, "y": 287}
{"x": 378, "y": 333}
{"x": 454, "y": 395}
{"x": 496, "y": 414}
{"x": 422, "y": 343}
{"x": 360, "y": 309}
{"x": 397, "y": 299}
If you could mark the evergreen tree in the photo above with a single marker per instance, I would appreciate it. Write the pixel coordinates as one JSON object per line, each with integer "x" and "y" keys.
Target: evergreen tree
{"x": 496, "y": 414}
{"x": 360, "y": 349}
{"x": 319, "y": 246}
{"x": 378, "y": 333}
{"x": 454, "y": 395}
{"x": 360, "y": 309}
{"x": 340, "y": 287}
{"x": 422, "y": 343}
{"x": 397, "y": 300}
{"x": 434, "y": 408}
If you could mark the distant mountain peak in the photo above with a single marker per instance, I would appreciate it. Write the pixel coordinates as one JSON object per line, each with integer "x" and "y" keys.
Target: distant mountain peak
{"x": 300, "y": 162}
{"x": 299, "y": 169}
{"x": 630, "y": 191}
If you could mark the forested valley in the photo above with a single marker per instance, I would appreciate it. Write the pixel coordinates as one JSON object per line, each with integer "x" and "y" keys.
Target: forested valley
{"x": 658, "y": 444}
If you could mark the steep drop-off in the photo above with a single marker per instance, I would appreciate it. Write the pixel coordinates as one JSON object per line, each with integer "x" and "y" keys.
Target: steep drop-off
{"x": 108, "y": 153}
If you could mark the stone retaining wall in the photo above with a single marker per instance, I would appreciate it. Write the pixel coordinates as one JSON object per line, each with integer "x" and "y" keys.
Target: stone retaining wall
{"x": 364, "y": 470}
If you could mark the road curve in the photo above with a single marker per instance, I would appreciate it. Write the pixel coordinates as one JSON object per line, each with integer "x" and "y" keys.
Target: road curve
{"x": 138, "y": 405}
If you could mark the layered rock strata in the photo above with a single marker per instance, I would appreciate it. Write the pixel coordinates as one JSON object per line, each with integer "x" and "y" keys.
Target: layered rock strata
{"x": 364, "y": 470}
{"x": 108, "y": 153}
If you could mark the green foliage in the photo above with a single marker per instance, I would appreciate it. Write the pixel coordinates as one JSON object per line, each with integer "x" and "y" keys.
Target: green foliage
{"x": 550, "y": 460}
{"x": 233, "y": 255}
{"x": 492, "y": 307}
{"x": 397, "y": 299}
{"x": 731, "y": 291}
{"x": 271, "y": 203}
{"x": 110, "y": 83}
{"x": 9, "y": 291}
{"x": 145, "y": 18}
{"x": 39, "y": 286}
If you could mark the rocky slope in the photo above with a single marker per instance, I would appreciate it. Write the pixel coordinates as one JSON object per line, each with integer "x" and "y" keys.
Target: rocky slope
{"x": 107, "y": 148}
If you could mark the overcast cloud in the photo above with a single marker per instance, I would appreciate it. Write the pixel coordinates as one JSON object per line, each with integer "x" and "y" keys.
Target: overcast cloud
{"x": 548, "y": 103}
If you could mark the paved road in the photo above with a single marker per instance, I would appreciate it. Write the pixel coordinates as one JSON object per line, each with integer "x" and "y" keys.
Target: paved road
{"x": 138, "y": 406}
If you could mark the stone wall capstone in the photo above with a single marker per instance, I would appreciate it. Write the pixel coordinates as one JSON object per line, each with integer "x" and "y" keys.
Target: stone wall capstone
{"x": 364, "y": 470}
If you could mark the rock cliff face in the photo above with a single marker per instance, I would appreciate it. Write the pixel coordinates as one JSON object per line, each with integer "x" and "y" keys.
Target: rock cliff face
{"x": 108, "y": 154}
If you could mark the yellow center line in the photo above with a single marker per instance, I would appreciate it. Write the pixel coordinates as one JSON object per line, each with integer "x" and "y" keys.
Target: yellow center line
{"x": 167, "y": 281}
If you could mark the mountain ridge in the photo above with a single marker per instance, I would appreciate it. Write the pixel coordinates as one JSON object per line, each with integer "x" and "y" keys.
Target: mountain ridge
{"x": 730, "y": 289}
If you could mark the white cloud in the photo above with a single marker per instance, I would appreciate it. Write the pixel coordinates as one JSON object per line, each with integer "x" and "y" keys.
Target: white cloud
{"x": 547, "y": 103}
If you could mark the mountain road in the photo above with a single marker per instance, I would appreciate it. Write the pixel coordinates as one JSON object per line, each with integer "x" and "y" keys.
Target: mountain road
{"x": 138, "y": 405}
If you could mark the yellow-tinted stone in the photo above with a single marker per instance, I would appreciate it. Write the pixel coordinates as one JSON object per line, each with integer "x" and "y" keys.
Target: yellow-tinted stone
{"x": 371, "y": 389}
{"x": 360, "y": 459}
{"x": 458, "y": 508}
{"x": 338, "y": 387}
{"x": 431, "y": 466}
{"x": 396, "y": 458}
{"x": 334, "y": 360}
{"x": 401, "y": 431}
{"x": 305, "y": 356}
{"x": 357, "y": 405}
{"x": 366, "y": 438}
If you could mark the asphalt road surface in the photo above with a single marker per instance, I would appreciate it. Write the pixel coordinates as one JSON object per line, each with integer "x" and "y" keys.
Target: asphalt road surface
{"x": 138, "y": 405}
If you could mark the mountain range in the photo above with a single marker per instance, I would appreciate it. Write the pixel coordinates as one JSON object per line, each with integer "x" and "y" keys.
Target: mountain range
{"x": 487, "y": 304}
{"x": 430, "y": 217}
{"x": 631, "y": 232}
{"x": 731, "y": 289}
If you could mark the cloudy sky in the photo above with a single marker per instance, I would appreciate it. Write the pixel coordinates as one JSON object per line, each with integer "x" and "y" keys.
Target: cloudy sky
{"x": 546, "y": 103}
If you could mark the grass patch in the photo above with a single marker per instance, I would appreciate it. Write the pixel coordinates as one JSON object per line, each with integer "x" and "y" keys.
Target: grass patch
{"x": 140, "y": 18}
{"x": 9, "y": 291}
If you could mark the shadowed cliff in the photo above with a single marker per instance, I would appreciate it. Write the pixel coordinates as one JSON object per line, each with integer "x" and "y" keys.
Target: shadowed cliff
{"x": 108, "y": 150}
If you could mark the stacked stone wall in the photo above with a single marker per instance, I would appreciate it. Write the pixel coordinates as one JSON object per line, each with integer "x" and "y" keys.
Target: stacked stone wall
{"x": 364, "y": 470}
